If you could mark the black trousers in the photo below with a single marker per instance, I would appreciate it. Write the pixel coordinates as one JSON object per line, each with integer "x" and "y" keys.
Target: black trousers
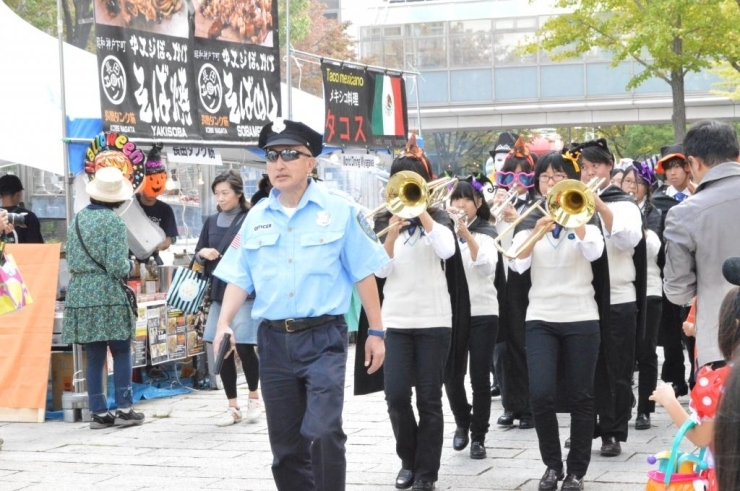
{"x": 647, "y": 358}
{"x": 515, "y": 398}
{"x": 483, "y": 332}
{"x": 614, "y": 407}
{"x": 250, "y": 365}
{"x": 417, "y": 357}
{"x": 671, "y": 325}
{"x": 575, "y": 345}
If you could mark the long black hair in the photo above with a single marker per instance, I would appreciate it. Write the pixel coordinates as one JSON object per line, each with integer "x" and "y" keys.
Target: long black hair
{"x": 235, "y": 181}
{"x": 471, "y": 188}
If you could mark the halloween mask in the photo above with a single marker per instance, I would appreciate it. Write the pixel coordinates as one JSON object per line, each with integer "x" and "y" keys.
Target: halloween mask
{"x": 155, "y": 174}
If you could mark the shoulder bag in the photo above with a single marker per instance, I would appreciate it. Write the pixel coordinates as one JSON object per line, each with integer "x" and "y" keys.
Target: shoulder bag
{"x": 127, "y": 290}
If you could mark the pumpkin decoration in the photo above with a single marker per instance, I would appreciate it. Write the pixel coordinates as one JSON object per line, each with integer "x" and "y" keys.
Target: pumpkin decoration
{"x": 155, "y": 173}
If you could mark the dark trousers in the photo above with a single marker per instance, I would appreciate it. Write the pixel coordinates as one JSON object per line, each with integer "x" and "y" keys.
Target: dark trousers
{"x": 483, "y": 331}
{"x": 97, "y": 356}
{"x": 674, "y": 370}
{"x": 416, "y": 357}
{"x": 515, "y": 398}
{"x": 647, "y": 358}
{"x": 250, "y": 365}
{"x": 302, "y": 377}
{"x": 614, "y": 406}
{"x": 575, "y": 345}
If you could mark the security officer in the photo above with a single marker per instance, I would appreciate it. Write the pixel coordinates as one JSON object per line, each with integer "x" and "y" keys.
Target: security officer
{"x": 301, "y": 250}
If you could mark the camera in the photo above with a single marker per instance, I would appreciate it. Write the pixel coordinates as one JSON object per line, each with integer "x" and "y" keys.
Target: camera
{"x": 16, "y": 219}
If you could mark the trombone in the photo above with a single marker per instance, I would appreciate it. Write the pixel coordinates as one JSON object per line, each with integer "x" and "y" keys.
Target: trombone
{"x": 408, "y": 195}
{"x": 570, "y": 203}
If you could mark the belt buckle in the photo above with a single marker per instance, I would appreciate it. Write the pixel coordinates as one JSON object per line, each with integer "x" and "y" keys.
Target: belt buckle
{"x": 287, "y": 325}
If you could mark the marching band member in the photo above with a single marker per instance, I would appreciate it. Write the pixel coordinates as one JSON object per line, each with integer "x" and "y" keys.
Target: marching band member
{"x": 638, "y": 181}
{"x": 425, "y": 327}
{"x": 563, "y": 312}
{"x": 621, "y": 224}
{"x": 485, "y": 277}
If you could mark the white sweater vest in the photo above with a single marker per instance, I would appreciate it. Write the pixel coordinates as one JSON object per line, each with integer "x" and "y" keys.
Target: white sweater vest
{"x": 480, "y": 275}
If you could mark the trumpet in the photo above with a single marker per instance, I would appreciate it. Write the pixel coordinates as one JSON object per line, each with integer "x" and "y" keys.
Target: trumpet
{"x": 458, "y": 216}
{"x": 408, "y": 195}
{"x": 498, "y": 211}
{"x": 570, "y": 203}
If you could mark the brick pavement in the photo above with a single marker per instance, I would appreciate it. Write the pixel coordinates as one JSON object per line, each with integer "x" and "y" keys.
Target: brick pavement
{"x": 186, "y": 451}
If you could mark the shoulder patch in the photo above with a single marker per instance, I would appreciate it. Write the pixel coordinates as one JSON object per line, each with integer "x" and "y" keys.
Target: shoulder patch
{"x": 365, "y": 226}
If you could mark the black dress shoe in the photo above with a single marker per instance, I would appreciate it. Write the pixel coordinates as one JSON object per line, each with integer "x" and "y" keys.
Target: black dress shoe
{"x": 460, "y": 440}
{"x": 642, "y": 422}
{"x": 526, "y": 422}
{"x": 680, "y": 390}
{"x": 477, "y": 450}
{"x": 495, "y": 391}
{"x": 404, "y": 479}
{"x": 423, "y": 485}
{"x": 506, "y": 419}
{"x": 567, "y": 443}
{"x": 550, "y": 478}
{"x": 610, "y": 447}
{"x": 572, "y": 483}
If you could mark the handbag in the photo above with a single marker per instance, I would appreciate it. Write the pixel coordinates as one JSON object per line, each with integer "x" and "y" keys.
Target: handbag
{"x": 189, "y": 291}
{"x": 127, "y": 290}
{"x": 14, "y": 294}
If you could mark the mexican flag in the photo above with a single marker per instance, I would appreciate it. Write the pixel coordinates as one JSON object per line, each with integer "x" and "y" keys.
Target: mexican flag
{"x": 389, "y": 108}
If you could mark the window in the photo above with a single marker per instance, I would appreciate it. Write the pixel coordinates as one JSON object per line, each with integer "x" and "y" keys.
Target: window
{"x": 470, "y": 27}
{"x": 471, "y": 85}
{"x": 507, "y": 47}
{"x": 371, "y": 49}
{"x": 603, "y": 79}
{"x": 561, "y": 81}
{"x": 471, "y": 50}
{"x": 515, "y": 83}
{"x": 426, "y": 29}
{"x": 393, "y": 31}
{"x": 393, "y": 53}
{"x": 433, "y": 87}
{"x": 431, "y": 52}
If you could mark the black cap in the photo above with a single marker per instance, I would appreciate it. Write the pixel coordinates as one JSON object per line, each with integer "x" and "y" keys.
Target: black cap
{"x": 10, "y": 184}
{"x": 286, "y": 132}
{"x": 505, "y": 143}
{"x": 731, "y": 270}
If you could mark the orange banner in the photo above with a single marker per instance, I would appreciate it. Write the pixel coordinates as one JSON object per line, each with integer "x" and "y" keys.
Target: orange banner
{"x": 25, "y": 335}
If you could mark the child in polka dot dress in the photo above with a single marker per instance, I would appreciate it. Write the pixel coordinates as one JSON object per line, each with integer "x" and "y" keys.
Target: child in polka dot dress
{"x": 706, "y": 394}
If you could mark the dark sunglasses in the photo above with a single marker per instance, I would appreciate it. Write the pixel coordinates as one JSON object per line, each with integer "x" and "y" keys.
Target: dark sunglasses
{"x": 286, "y": 155}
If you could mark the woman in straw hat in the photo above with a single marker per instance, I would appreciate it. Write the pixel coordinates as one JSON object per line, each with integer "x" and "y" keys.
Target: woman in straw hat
{"x": 97, "y": 312}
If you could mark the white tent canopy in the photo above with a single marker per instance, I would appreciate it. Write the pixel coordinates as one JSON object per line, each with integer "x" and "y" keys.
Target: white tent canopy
{"x": 30, "y": 101}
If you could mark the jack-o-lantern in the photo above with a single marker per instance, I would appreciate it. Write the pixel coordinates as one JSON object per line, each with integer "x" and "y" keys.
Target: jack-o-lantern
{"x": 155, "y": 174}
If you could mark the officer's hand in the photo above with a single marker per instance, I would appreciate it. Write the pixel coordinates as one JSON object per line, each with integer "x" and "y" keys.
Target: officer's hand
{"x": 220, "y": 331}
{"x": 374, "y": 353}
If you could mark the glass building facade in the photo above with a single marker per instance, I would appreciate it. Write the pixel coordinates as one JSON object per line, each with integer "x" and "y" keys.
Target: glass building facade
{"x": 480, "y": 61}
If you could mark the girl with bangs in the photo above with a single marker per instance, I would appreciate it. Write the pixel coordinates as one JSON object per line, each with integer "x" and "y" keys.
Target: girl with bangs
{"x": 485, "y": 277}
{"x": 567, "y": 298}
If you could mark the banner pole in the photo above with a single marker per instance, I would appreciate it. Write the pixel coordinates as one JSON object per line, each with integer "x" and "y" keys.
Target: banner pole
{"x": 418, "y": 107}
{"x": 355, "y": 63}
{"x": 77, "y": 386}
{"x": 288, "y": 68}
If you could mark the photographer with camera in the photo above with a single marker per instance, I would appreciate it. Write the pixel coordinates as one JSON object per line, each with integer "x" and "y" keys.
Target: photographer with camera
{"x": 24, "y": 224}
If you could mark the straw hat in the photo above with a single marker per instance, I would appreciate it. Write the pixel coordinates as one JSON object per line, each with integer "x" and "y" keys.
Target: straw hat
{"x": 109, "y": 186}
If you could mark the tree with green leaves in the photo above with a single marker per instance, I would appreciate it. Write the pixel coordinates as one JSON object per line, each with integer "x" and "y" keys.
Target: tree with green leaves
{"x": 668, "y": 38}
{"x": 77, "y": 18}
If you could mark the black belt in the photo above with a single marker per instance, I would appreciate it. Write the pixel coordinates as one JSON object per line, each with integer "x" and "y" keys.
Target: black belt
{"x": 295, "y": 325}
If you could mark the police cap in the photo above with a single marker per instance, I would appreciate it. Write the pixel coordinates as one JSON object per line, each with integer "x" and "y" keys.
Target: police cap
{"x": 286, "y": 132}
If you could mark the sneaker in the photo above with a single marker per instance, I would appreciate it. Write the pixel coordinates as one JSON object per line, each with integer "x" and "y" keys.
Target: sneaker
{"x": 100, "y": 422}
{"x": 254, "y": 410}
{"x": 129, "y": 418}
{"x": 232, "y": 416}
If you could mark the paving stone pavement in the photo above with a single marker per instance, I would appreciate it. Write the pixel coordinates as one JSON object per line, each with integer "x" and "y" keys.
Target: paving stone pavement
{"x": 186, "y": 451}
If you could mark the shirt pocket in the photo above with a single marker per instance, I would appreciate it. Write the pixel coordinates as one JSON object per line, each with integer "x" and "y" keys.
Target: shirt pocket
{"x": 261, "y": 249}
{"x": 319, "y": 250}
{"x": 257, "y": 242}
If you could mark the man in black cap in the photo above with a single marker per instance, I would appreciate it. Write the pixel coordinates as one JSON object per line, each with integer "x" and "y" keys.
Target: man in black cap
{"x": 11, "y": 193}
{"x": 678, "y": 187}
{"x": 301, "y": 250}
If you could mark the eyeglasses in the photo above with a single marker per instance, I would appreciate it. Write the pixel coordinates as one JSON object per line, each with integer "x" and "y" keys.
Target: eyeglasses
{"x": 555, "y": 177}
{"x": 631, "y": 182}
{"x": 287, "y": 155}
{"x": 507, "y": 179}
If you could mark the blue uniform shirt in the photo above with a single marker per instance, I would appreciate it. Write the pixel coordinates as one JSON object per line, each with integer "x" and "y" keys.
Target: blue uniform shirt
{"x": 304, "y": 265}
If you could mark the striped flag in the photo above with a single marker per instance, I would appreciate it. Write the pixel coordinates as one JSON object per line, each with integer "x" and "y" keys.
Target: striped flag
{"x": 237, "y": 242}
{"x": 389, "y": 108}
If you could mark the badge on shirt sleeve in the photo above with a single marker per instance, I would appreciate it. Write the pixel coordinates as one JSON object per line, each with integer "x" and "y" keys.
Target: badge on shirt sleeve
{"x": 365, "y": 226}
{"x": 571, "y": 236}
{"x": 323, "y": 218}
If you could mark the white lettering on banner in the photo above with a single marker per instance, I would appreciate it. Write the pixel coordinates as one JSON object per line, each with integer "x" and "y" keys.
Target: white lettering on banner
{"x": 248, "y": 131}
{"x": 362, "y": 161}
{"x": 194, "y": 155}
{"x": 162, "y": 102}
{"x": 168, "y": 131}
{"x": 142, "y": 95}
{"x": 249, "y": 100}
{"x": 178, "y": 86}
{"x": 113, "y": 78}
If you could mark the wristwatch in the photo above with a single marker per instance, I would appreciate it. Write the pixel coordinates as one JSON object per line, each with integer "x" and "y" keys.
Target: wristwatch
{"x": 376, "y": 332}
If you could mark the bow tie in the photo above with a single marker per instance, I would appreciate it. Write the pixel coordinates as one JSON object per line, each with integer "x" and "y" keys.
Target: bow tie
{"x": 680, "y": 197}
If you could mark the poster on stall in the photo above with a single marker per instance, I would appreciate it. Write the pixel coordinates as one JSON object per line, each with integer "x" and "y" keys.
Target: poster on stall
{"x": 138, "y": 344}
{"x": 237, "y": 67}
{"x": 194, "y": 341}
{"x": 145, "y": 68}
{"x": 156, "y": 322}
{"x": 176, "y": 335}
{"x": 347, "y": 102}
